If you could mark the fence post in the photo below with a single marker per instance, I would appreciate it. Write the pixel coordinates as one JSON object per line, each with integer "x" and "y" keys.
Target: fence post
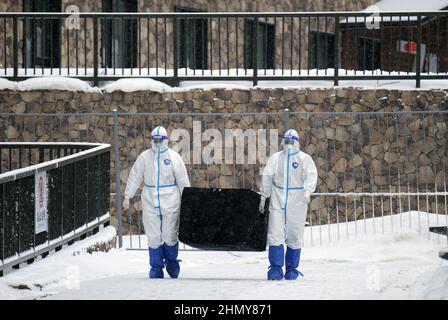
{"x": 95, "y": 51}
{"x": 15, "y": 48}
{"x": 419, "y": 51}
{"x": 255, "y": 52}
{"x": 117, "y": 179}
{"x": 336, "y": 50}
{"x": 286, "y": 119}
{"x": 2, "y": 205}
{"x": 175, "y": 58}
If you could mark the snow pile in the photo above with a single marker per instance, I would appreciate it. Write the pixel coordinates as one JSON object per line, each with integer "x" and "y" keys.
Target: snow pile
{"x": 55, "y": 83}
{"x": 206, "y": 85}
{"x": 60, "y": 269}
{"x": 136, "y": 84}
{"x": 389, "y": 224}
{"x": 437, "y": 284}
{"x": 107, "y": 235}
{"x": 7, "y": 85}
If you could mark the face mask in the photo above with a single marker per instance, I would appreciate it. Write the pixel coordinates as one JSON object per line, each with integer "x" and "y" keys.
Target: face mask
{"x": 157, "y": 142}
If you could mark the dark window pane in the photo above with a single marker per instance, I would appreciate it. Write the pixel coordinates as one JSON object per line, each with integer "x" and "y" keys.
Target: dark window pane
{"x": 321, "y": 50}
{"x": 119, "y": 48}
{"x": 369, "y": 54}
{"x": 42, "y": 36}
{"x": 192, "y": 41}
{"x": 265, "y": 45}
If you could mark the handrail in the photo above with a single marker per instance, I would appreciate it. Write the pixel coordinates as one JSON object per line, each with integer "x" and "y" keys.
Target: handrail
{"x": 96, "y": 148}
{"x": 229, "y": 46}
{"x": 76, "y": 187}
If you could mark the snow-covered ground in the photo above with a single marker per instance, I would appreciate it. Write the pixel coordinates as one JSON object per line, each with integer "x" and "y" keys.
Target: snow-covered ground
{"x": 402, "y": 264}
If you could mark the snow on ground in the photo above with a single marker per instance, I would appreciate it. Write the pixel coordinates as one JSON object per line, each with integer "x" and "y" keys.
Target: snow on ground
{"x": 403, "y": 264}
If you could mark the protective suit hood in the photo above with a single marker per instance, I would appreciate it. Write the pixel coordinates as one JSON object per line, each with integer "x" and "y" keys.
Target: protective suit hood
{"x": 159, "y": 133}
{"x": 291, "y": 135}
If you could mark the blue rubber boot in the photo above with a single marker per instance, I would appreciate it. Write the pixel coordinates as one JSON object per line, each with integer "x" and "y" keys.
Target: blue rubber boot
{"x": 156, "y": 263}
{"x": 276, "y": 258}
{"x": 171, "y": 261}
{"x": 292, "y": 260}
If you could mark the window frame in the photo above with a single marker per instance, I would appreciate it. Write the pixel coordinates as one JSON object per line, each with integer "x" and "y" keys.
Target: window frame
{"x": 31, "y": 41}
{"x": 182, "y": 43}
{"x": 316, "y": 63}
{"x": 361, "y": 51}
{"x": 268, "y": 41}
{"x": 128, "y": 57}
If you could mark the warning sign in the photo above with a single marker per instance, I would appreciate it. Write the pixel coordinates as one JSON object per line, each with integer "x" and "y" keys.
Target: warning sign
{"x": 40, "y": 202}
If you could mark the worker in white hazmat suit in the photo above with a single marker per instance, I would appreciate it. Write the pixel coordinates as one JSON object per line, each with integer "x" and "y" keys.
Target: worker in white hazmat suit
{"x": 162, "y": 172}
{"x": 289, "y": 178}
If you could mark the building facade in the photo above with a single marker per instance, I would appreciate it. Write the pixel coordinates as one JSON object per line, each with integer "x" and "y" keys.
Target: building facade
{"x": 203, "y": 43}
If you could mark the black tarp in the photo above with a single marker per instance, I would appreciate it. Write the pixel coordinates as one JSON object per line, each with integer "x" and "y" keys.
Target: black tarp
{"x": 223, "y": 219}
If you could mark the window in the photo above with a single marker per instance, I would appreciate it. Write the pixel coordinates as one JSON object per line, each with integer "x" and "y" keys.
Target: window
{"x": 192, "y": 41}
{"x": 321, "y": 50}
{"x": 369, "y": 54}
{"x": 42, "y": 36}
{"x": 119, "y": 36}
{"x": 265, "y": 45}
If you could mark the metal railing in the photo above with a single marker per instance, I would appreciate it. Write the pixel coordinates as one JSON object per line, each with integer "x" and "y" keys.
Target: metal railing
{"x": 255, "y": 47}
{"x": 71, "y": 178}
{"x": 372, "y": 166}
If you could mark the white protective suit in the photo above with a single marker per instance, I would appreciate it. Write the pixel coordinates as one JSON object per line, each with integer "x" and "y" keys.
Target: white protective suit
{"x": 163, "y": 174}
{"x": 287, "y": 176}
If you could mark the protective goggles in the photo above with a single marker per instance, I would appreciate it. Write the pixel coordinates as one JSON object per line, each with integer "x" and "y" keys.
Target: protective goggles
{"x": 290, "y": 139}
{"x": 158, "y": 139}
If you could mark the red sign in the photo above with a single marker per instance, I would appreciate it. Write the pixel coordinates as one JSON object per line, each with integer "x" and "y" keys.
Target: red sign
{"x": 411, "y": 47}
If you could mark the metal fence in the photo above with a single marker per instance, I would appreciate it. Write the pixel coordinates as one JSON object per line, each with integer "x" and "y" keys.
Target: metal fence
{"x": 372, "y": 166}
{"x": 77, "y": 196}
{"x": 375, "y": 168}
{"x": 174, "y": 47}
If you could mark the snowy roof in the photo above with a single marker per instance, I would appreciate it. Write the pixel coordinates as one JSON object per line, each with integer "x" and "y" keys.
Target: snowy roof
{"x": 398, "y": 6}
{"x": 409, "y": 5}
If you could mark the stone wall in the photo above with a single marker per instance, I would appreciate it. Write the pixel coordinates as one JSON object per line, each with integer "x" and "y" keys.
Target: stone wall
{"x": 361, "y": 140}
